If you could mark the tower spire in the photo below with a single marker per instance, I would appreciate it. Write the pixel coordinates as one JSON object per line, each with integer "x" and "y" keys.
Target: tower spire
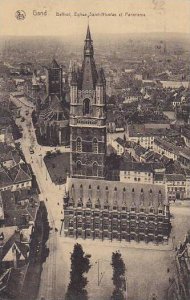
{"x": 88, "y": 46}
{"x": 88, "y": 34}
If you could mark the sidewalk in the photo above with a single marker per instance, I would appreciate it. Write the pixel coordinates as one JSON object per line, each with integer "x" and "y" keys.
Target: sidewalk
{"x": 184, "y": 203}
{"x": 122, "y": 244}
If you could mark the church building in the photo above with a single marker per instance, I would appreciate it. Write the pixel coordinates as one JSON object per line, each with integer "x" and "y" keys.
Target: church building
{"x": 53, "y": 111}
{"x": 94, "y": 207}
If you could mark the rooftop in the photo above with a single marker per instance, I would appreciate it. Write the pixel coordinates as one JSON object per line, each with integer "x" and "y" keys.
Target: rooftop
{"x": 139, "y": 130}
{"x": 175, "y": 177}
{"x": 116, "y": 193}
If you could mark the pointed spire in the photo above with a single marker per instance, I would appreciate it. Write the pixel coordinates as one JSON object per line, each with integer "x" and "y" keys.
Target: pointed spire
{"x": 88, "y": 34}
{"x": 88, "y": 47}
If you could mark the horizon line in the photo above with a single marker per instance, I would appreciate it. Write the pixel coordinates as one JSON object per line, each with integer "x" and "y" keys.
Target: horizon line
{"x": 98, "y": 34}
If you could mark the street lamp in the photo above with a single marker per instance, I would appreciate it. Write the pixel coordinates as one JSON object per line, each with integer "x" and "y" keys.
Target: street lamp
{"x": 97, "y": 262}
{"x": 100, "y": 274}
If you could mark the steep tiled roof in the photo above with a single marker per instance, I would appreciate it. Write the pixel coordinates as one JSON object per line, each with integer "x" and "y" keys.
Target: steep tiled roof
{"x": 11, "y": 281}
{"x": 135, "y": 166}
{"x": 9, "y": 153}
{"x": 139, "y": 150}
{"x": 116, "y": 192}
{"x": 175, "y": 177}
{"x": 20, "y": 173}
{"x": 5, "y": 179}
{"x": 120, "y": 141}
{"x": 22, "y": 248}
{"x": 159, "y": 177}
{"x": 14, "y": 212}
{"x": 53, "y": 109}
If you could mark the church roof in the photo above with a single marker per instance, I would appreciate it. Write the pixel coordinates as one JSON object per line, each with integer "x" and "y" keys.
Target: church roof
{"x": 54, "y": 64}
{"x": 116, "y": 191}
{"x": 55, "y": 103}
{"x": 55, "y": 107}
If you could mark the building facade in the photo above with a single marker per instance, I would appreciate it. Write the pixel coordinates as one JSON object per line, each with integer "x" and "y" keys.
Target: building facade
{"x": 94, "y": 207}
{"x": 176, "y": 186}
{"x": 116, "y": 211}
{"x": 88, "y": 117}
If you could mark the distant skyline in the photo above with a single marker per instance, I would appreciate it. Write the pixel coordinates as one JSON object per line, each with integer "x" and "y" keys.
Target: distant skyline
{"x": 149, "y": 16}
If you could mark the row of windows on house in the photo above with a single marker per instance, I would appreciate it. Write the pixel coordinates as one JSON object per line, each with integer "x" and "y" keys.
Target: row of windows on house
{"x": 138, "y": 178}
{"x": 176, "y": 189}
{"x": 17, "y": 186}
{"x": 94, "y": 145}
{"x": 135, "y": 172}
{"x": 176, "y": 183}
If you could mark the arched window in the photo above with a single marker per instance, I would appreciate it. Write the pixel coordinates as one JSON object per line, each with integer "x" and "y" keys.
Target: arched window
{"x": 95, "y": 169}
{"x": 86, "y": 106}
{"x": 79, "y": 145}
{"x": 95, "y": 145}
{"x": 79, "y": 167}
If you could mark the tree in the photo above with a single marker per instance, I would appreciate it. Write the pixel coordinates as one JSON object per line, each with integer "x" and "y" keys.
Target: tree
{"x": 80, "y": 264}
{"x": 118, "y": 276}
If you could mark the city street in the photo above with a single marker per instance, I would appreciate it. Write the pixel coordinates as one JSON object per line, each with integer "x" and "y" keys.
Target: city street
{"x": 52, "y": 195}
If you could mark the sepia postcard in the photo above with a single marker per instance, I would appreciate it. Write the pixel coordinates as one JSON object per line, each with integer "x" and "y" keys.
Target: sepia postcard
{"x": 95, "y": 149}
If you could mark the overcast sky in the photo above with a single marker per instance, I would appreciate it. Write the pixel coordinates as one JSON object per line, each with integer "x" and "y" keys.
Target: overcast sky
{"x": 160, "y": 16}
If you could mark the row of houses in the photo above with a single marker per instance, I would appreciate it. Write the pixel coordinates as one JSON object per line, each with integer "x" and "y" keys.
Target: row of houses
{"x": 15, "y": 173}
{"x": 158, "y": 166}
{"x": 19, "y": 204}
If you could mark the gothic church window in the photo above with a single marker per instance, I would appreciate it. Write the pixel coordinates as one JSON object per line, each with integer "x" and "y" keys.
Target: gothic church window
{"x": 86, "y": 106}
{"x": 95, "y": 169}
{"x": 79, "y": 145}
{"x": 95, "y": 146}
{"x": 79, "y": 167}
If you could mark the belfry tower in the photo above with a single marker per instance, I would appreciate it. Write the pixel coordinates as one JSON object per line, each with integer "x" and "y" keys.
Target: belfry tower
{"x": 88, "y": 117}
